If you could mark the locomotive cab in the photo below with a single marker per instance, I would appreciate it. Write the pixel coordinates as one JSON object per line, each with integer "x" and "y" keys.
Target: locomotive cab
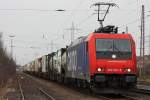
{"x": 112, "y": 59}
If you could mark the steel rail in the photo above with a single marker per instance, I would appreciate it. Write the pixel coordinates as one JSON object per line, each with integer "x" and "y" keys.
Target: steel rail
{"x": 104, "y": 97}
{"x": 142, "y": 91}
{"x": 130, "y": 97}
{"x": 124, "y": 96}
{"x": 45, "y": 93}
{"x": 21, "y": 91}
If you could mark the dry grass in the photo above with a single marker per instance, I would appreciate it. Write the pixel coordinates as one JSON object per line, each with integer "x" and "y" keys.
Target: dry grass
{"x": 145, "y": 79}
{"x": 145, "y": 71}
{"x": 3, "y": 92}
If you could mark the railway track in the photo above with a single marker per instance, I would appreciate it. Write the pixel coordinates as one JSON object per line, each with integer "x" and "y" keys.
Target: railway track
{"x": 40, "y": 92}
{"x": 131, "y": 95}
{"x": 144, "y": 82}
{"x": 128, "y": 97}
{"x": 46, "y": 94}
{"x": 142, "y": 91}
{"x": 21, "y": 90}
{"x": 118, "y": 97}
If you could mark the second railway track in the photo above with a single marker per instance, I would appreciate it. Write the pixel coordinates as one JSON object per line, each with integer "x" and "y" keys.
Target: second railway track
{"x": 46, "y": 94}
{"x": 20, "y": 89}
{"x": 45, "y": 89}
{"x": 141, "y": 91}
{"x": 118, "y": 97}
{"x": 29, "y": 90}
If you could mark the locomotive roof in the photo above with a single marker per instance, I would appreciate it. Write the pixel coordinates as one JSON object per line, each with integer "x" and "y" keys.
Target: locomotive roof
{"x": 78, "y": 40}
{"x": 102, "y": 35}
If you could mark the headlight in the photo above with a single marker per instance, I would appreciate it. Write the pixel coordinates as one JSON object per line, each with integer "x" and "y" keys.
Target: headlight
{"x": 128, "y": 70}
{"x": 99, "y": 69}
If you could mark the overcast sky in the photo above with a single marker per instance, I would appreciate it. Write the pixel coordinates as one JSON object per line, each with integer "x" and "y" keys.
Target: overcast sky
{"x": 36, "y": 25}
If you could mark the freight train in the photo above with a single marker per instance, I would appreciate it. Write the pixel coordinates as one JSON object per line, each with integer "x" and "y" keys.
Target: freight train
{"x": 103, "y": 59}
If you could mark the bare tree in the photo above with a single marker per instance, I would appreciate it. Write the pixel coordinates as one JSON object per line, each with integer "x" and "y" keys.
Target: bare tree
{"x": 7, "y": 64}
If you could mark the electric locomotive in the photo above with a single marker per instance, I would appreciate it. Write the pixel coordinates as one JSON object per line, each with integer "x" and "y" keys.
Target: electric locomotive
{"x": 102, "y": 59}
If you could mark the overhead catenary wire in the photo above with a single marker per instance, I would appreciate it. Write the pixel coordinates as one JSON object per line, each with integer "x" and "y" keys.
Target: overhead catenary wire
{"x": 29, "y": 41}
{"x": 38, "y": 11}
{"x": 47, "y": 10}
{"x": 90, "y": 16}
{"x": 133, "y": 22}
{"x": 130, "y": 11}
{"x": 133, "y": 2}
{"x": 84, "y": 20}
{"x": 119, "y": 9}
{"x": 42, "y": 11}
{"x": 66, "y": 21}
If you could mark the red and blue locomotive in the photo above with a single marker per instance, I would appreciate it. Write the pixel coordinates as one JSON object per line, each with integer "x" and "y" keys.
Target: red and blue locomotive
{"x": 103, "y": 59}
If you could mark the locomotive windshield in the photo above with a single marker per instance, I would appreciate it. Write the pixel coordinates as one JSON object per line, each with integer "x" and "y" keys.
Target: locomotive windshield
{"x": 113, "y": 49}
